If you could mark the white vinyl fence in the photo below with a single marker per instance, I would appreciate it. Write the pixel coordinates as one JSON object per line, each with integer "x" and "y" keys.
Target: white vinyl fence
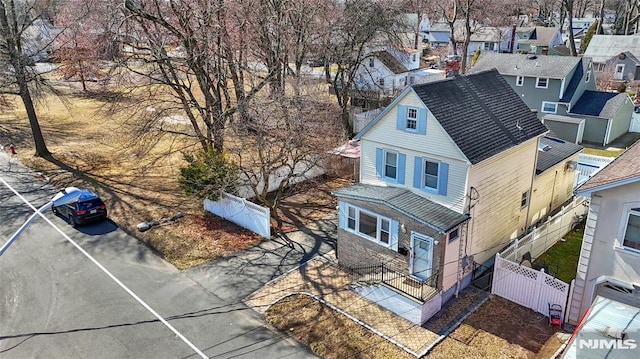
{"x": 242, "y": 212}
{"x": 588, "y": 165}
{"x": 549, "y": 233}
{"x": 528, "y": 287}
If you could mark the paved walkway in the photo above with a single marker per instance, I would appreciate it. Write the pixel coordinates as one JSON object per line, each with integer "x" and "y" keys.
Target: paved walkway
{"x": 322, "y": 279}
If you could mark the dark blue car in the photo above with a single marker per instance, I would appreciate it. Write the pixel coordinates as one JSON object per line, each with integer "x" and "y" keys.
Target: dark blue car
{"x": 87, "y": 208}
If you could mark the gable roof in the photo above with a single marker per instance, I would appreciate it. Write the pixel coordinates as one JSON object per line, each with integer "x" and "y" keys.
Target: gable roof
{"x": 576, "y": 78}
{"x": 389, "y": 61}
{"x": 622, "y": 170}
{"x": 603, "y": 47}
{"x": 556, "y": 67}
{"x": 540, "y": 35}
{"x": 552, "y": 151}
{"x": 592, "y": 103}
{"x": 481, "y": 113}
{"x": 429, "y": 213}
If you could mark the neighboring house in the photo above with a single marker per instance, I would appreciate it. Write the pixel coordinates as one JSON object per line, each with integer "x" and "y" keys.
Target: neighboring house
{"x": 562, "y": 90}
{"x": 490, "y": 39}
{"x": 438, "y": 35}
{"x": 540, "y": 40}
{"x": 609, "y": 264}
{"x": 555, "y": 176}
{"x": 390, "y": 71}
{"x": 446, "y": 173}
{"x": 580, "y": 25}
{"x": 615, "y": 57}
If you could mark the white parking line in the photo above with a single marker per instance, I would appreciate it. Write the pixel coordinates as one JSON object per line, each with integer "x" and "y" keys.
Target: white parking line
{"x": 118, "y": 282}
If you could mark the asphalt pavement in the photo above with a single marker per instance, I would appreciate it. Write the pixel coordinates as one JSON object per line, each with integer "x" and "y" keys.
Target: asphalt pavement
{"x": 55, "y": 302}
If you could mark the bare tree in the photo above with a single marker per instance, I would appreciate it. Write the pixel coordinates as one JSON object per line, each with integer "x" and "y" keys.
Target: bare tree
{"x": 194, "y": 49}
{"x": 361, "y": 27}
{"x": 287, "y": 142}
{"x": 23, "y": 40}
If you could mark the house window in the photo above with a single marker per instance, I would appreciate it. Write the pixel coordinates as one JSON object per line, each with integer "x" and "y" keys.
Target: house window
{"x": 549, "y": 107}
{"x": 453, "y": 235}
{"x": 413, "y": 57}
{"x": 430, "y": 178}
{"x": 599, "y": 67}
{"x": 372, "y": 62}
{"x": 519, "y": 80}
{"x": 542, "y": 83}
{"x": 369, "y": 225}
{"x": 390, "y": 165}
{"x": 351, "y": 218}
{"x": 412, "y": 80}
{"x": 381, "y": 82}
{"x": 412, "y": 118}
{"x": 588, "y": 77}
{"x": 632, "y": 231}
{"x": 525, "y": 199}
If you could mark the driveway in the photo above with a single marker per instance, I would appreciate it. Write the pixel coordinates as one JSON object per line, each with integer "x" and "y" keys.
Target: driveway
{"x": 56, "y": 303}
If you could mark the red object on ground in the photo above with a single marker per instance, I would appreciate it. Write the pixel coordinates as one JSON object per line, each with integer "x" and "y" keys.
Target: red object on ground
{"x": 12, "y": 148}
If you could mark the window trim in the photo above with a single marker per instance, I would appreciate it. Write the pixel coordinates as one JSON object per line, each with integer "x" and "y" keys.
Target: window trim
{"x": 450, "y": 238}
{"x": 546, "y": 82}
{"x": 414, "y": 119}
{"x": 423, "y": 182}
{"x": 519, "y": 80}
{"x": 588, "y": 77}
{"x": 629, "y": 212}
{"x": 379, "y": 221}
{"x": 385, "y": 152}
{"x": 372, "y": 62}
{"x": 555, "y": 105}
{"x": 524, "y": 200}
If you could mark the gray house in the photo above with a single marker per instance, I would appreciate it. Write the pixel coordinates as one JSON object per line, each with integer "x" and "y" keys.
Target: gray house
{"x": 615, "y": 57}
{"x": 540, "y": 40}
{"x": 562, "y": 90}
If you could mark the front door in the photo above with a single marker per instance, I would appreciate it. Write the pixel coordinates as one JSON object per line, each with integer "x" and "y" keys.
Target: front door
{"x": 421, "y": 255}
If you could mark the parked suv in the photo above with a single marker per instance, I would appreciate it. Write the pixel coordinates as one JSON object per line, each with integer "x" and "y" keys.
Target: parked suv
{"x": 87, "y": 208}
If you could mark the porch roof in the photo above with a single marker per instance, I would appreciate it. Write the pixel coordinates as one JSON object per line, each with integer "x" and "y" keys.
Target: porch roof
{"x": 406, "y": 202}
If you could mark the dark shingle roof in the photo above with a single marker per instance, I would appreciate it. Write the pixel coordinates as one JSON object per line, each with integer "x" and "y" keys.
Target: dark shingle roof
{"x": 573, "y": 83}
{"x": 390, "y": 62}
{"x": 553, "y": 151}
{"x": 419, "y": 208}
{"x": 481, "y": 113}
{"x": 592, "y": 102}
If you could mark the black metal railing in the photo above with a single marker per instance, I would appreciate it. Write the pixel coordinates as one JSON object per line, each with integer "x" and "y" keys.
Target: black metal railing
{"x": 411, "y": 286}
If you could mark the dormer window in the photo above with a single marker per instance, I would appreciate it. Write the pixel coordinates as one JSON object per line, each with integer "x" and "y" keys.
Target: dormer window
{"x": 519, "y": 80}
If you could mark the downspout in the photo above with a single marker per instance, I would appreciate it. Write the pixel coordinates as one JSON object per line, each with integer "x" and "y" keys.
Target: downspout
{"x": 533, "y": 177}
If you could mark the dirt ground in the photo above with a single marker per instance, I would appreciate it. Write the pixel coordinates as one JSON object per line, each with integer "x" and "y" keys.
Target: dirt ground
{"x": 498, "y": 329}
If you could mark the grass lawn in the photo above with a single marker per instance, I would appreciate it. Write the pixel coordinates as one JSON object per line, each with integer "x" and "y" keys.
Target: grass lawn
{"x": 563, "y": 256}
{"x": 601, "y": 152}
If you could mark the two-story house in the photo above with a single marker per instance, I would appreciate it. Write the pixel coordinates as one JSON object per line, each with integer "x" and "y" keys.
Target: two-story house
{"x": 540, "y": 40}
{"x": 615, "y": 57}
{"x": 446, "y": 173}
{"x": 609, "y": 264}
{"x": 562, "y": 90}
{"x": 389, "y": 71}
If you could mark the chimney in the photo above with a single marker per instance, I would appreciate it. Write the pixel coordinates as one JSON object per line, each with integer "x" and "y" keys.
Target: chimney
{"x": 513, "y": 39}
